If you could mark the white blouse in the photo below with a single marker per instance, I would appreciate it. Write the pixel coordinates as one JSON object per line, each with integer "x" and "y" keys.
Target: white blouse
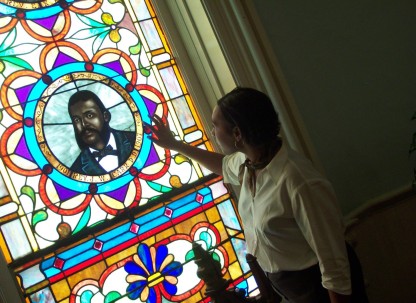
{"x": 293, "y": 221}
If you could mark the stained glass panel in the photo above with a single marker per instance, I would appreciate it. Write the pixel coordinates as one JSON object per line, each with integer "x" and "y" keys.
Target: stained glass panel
{"x": 75, "y": 227}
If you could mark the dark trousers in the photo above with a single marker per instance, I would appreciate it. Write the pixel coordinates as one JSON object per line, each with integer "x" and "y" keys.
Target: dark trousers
{"x": 304, "y": 286}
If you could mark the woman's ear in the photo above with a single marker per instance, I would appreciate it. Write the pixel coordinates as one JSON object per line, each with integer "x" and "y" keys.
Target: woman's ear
{"x": 237, "y": 134}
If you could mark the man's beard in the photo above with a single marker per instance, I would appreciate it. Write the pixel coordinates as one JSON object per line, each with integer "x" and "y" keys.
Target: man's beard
{"x": 104, "y": 134}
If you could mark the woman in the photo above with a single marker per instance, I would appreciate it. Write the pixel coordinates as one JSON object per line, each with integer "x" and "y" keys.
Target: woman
{"x": 290, "y": 216}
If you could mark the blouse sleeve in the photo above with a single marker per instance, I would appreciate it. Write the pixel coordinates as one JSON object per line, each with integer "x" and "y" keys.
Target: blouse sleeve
{"x": 231, "y": 167}
{"x": 318, "y": 216}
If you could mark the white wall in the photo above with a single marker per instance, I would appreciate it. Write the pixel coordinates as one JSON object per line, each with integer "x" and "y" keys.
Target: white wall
{"x": 351, "y": 68}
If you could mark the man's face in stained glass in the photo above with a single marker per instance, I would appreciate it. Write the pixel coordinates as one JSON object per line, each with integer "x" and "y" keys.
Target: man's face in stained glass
{"x": 90, "y": 123}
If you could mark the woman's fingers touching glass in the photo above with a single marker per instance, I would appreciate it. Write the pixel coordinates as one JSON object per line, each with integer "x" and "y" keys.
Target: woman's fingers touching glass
{"x": 159, "y": 123}
{"x": 161, "y": 133}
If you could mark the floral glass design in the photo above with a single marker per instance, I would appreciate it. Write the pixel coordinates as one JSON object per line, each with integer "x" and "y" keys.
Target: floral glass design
{"x": 150, "y": 272}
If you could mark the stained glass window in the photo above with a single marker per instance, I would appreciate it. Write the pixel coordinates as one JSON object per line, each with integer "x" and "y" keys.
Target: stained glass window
{"x": 72, "y": 228}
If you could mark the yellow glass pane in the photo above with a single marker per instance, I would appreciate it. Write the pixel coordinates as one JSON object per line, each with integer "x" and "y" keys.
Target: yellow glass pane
{"x": 93, "y": 272}
{"x": 195, "y": 298}
{"x": 61, "y": 290}
{"x": 234, "y": 270}
{"x": 149, "y": 241}
{"x": 221, "y": 228}
{"x": 121, "y": 255}
{"x": 213, "y": 215}
{"x": 231, "y": 254}
{"x": 165, "y": 234}
{"x": 186, "y": 226}
{"x": 4, "y": 249}
{"x": 226, "y": 275}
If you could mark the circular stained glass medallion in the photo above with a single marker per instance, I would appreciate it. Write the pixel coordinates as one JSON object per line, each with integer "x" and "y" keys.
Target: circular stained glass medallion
{"x": 48, "y": 127}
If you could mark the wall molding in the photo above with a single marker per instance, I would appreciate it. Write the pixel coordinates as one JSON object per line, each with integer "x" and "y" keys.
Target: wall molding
{"x": 253, "y": 63}
{"x": 226, "y": 46}
{"x": 381, "y": 203}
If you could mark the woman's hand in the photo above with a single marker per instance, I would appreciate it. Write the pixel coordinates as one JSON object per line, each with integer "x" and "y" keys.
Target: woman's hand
{"x": 161, "y": 134}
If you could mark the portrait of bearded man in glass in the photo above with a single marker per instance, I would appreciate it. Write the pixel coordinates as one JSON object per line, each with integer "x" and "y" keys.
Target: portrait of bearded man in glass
{"x": 103, "y": 149}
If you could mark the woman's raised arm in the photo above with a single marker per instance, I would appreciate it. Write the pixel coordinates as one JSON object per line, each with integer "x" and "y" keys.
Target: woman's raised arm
{"x": 163, "y": 137}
